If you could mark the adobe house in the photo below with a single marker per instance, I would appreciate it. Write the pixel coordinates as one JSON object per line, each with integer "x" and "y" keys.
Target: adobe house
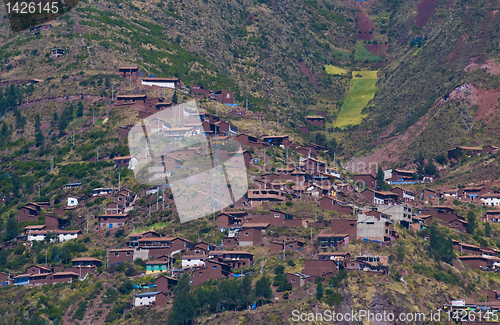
{"x": 154, "y": 299}
{"x": 226, "y": 221}
{"x": 117, "y": 256}
{"x": 133, "y": 238}
{"x": 212, "y": 270}
{"x": 329, "y": 203}
{"x": 250, "y": 141}
{"x": 173, "y": 244}
{"x": 229, "y": 242}
{"x": 490, "y": 199}
{"x": 345, "y": 226}
{"x": 491, "y": 216}
{"x": 316, "y": 120}
{"x": 479, "y": 262}
{"x": 4, "y": 278}
{"x": 276, "y": 140}
{"x": 54, "y": 223}
{"x": 31, "y": 211}
{"x": 38, "y": 269}
{"x": 204, "y": 246}
{"x": 129, "y": 72}
{"x": 365, "y": 181}
{"x": 224, "y": 96}
{"x": 165, "y": 283}
{"x": 130, "y": 99}
{"x": 402, "y": 176}
{"x": 313, "y": 165}
{"x": 327, "y": 239}
{"x": 320, "y": 267}
{"x": 467, "y": 248}
{"x": 300, "y": 279}
{"x": 458, "y": 152}
{"x": 295, "y": 245}
{"x": 379, "y": 197}
{"x": 172, "y": 83}
{"x": 124, "y": 130}
{"x": 340, "y": 258}
{"x": 304, "y": 130}
{"x": 237, "y": 259}
{"x": 489, "y": 149}
{"x": 444, "y": 213}
{"x": 403, "y": 194}
{"x": 249, "y": 236}
{"x": 257, "y": 197}
{"x": 112, "y": 220}
{"x": 86, "y": 262}
{"x": 122, "y": 161}
{"x": 199, "y": 92}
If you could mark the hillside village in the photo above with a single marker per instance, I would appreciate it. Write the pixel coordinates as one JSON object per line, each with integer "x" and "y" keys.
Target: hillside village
{"x": 348, "y": 213}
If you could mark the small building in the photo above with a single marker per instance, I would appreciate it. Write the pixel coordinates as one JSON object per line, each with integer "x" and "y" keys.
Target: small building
{"x": 112, "y": 220}
{"x": 491, "y": 199}
{"x": 404, "y": 195}
{"x": 374, "y": 227}
{"x": 304, "y": 130}
{"x": 57, "y": 52}
{"x": 401, "y": 176}
{"x": 129, "y": 72}
{"x": 192, "y": 261}
{"x": 158, "y": 266}
{"x": 295, "y": 245}
{"x": 165, "y": 283}
{"x": 213, "y": 270}
{"x": 87, "y": 262}
{"x": 320, "y": 267}
{"x": 122, "y": 161}
{"x": 117, "y": 256}
{"x": 100, "y": 191}
{"x": 300, "y": 279}
{"x": 130, "y": 99}
{"x": 172, "y": 83}
{"x": 72, "y": 185}
{"x": 316, "y": 120}
{"x": 332, "y": 204}
{"x": 236, "y": 259}
{"x": 61, "y": 235}
{"x": 31, "y": 211}
{"x": 489, "y": 149}
{"x": 345, "y": 226}
{"x": 327, "y": 239}
{"x": 224, "y": 96}
{"x": 72, "y": 201}
{"x": 485, "y": 263}
{"x": 365, "y": 181}
{"x": 249, "y": 236}
{"x": 154, "y": 299}
{"x": 229, "y": 242}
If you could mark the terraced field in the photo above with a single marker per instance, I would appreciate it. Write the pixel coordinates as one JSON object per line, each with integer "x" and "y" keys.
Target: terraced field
{"x": 362, "y": 90}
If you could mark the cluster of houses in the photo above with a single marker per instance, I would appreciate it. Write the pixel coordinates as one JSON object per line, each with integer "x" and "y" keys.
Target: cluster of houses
{"x": 487, "y": 309}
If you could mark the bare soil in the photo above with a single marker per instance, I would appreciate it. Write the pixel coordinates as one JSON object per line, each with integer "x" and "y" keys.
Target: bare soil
{"x": 365, "y": 26}
{"x": 425, "y": 11}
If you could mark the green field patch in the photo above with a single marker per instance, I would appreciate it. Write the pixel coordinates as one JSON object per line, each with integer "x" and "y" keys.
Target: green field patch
{"x": 98, "y": 122}
{"x": 361, "y": 91}
{"x": 331, "y": 69}
{"x": 156, "y": 226}
{"x": 362, "y": 54}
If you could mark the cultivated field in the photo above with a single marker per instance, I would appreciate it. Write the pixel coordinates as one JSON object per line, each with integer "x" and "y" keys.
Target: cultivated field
{"x": 331, "y": 69}
{"x": 360, "y": 93}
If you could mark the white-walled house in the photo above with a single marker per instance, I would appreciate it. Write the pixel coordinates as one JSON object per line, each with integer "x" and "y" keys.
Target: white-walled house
{"x": 491, "y": 199}
{"x": 156, "y": 298}
{"x": 72, "y": 201}
{"x": 63, "y": 235}
{"x": 172, "y": 83}
{"x": 190, "y": 261}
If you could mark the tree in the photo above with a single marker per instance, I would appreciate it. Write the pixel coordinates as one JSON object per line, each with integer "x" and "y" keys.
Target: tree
{"x": 440, "y": 246}
{"x": 79, "y": 109}
{"x": 37, "y": 122}
{"x": 183, "y": 311}
{"x": 263, "y": 288}
{"x": 471, "y": 223}
{"x": 487, "y": 229}
{"x": 174, "y": 98}
{"x": 11, "y": 229}
{"x": 441, "y": 159}
{"x": 319, "y": 290}
{"x": 380, "y": 179}
{"x": 246, "y": 290}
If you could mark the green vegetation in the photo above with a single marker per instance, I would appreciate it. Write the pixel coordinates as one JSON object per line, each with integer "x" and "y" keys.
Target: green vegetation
{"x": 361, "y": 91}
{"x": 363, "y": 55}
{"x": 331, "y": 69}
